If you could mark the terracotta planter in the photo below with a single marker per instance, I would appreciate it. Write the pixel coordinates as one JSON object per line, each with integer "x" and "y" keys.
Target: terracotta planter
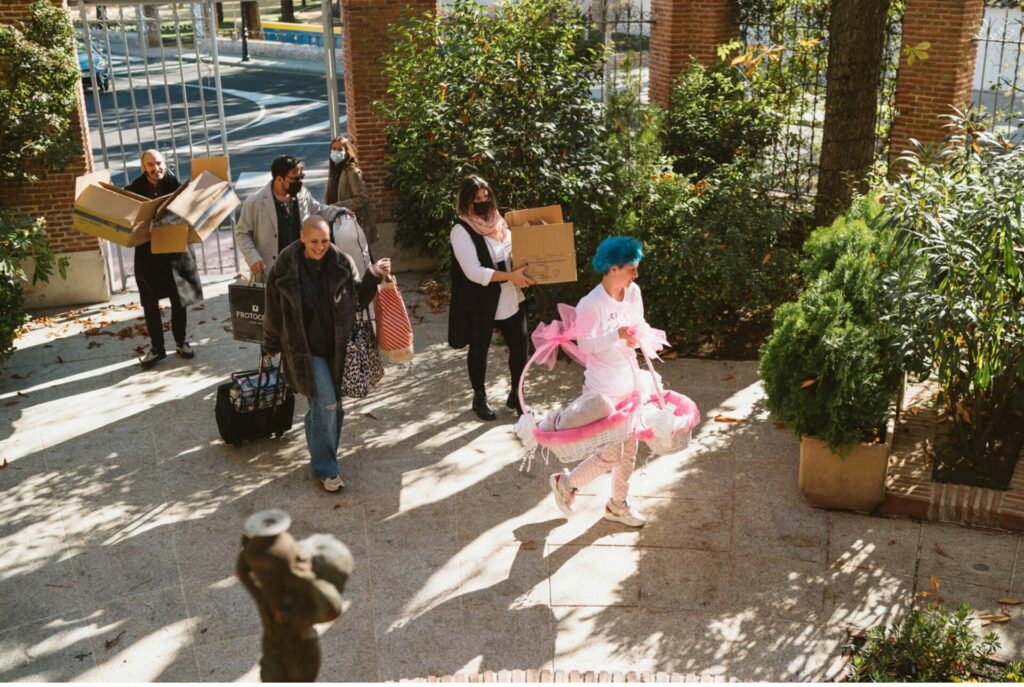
{"x": 855, "y": 481}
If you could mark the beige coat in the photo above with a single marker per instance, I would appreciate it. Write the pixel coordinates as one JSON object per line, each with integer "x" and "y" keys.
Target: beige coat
{"x": 346, "y": 188}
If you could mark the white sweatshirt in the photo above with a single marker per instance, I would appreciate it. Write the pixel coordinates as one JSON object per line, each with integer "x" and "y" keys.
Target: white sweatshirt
{"x": 609, "y": 359}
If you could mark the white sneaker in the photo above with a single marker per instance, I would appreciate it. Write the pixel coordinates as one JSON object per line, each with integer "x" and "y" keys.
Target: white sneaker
{"x": 332, "y": 484}
{"x": 564, "y": 496}
{"x": 625, "y": 514}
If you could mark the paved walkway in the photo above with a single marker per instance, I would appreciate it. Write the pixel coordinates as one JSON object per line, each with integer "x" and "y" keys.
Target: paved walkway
{"x": 121, "y": 513}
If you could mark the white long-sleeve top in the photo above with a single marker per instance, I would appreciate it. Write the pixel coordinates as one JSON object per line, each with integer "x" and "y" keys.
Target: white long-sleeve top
{"x": 610, "y": 362}
{"x": 465, "y": 253}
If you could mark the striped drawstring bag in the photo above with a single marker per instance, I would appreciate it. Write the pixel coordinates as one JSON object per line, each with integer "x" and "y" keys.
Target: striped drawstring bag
{"x": 394, "y": 331}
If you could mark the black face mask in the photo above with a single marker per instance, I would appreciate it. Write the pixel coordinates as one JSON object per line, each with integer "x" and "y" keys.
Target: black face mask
{"x": 482, "y": 208}
{"x": 295, "y": 187}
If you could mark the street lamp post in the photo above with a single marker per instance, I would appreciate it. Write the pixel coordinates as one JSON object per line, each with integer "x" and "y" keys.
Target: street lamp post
{"x": 245, "y": 34}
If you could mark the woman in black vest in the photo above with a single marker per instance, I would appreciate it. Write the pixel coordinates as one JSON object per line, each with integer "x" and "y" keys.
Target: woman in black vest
{"x": 485, "y": 291}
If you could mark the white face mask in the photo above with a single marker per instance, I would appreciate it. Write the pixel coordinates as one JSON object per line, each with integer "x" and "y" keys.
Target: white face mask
{"x": 337, "y": 156}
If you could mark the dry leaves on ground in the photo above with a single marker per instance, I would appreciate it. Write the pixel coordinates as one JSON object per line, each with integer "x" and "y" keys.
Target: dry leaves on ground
{"x": 727, "y": 418}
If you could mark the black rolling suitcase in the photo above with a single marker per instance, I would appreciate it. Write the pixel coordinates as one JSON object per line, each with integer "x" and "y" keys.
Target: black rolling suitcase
{"x": 254, "y": 405}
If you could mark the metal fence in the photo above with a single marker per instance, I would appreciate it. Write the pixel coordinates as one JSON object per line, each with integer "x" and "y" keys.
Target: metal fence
{"x": 154, "y": 76}
{"x": 999, "y": 70}
{"x": 624, "y": 28}
{"x": 801, "y": 30}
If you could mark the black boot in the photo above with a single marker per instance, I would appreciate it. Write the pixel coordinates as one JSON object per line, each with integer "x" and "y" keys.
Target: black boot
{"x": 480, "y": 407}
{"x": 513, "y": 403}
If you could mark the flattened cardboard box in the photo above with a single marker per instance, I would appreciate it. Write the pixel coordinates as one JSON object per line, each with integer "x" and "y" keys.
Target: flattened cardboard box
{"x": 201, "y": 204}
{"x": 546, "y": 244}
{"x": 109, "y": 212}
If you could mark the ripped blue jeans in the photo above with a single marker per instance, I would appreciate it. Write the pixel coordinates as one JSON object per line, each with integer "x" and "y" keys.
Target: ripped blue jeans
{"x": 323, "y": 422}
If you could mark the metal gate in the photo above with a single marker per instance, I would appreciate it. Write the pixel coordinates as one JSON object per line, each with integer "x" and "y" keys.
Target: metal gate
{"x": 154, "y": 76}
{"x": 999, "y": 69}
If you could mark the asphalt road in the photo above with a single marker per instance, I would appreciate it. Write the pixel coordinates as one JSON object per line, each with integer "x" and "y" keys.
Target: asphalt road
{"x": 269, "y": 111}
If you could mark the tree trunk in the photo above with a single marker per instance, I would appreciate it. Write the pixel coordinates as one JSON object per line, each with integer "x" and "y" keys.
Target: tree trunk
{"x": 856, "y": 42}
{"x": 152, "y": 24}
{"x": 287, "y": 10}
{"x": 253, "y": 25}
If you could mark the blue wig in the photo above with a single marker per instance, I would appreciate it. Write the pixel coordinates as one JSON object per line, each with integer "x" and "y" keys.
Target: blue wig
{"x": 616, "y": 251}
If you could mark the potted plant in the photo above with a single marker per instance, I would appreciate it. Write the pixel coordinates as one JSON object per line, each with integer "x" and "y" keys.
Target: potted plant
{"x": 959, "y": 235}
{"x": 831, "y": 367}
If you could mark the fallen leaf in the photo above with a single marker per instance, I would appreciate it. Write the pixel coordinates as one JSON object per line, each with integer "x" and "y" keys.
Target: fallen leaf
{"x": 227, "y": 329}
{"x": 110, "y": 643}
{"x": 1000, "y": 618}
{"x": 198, "y": 308}
{"x": 94, "y": 344}
{"x": 369, "y": 415}
{"x": 670, "y": 355}
{"x": 892, "y": 542}
{"x": 336, "y": 506}
{"x": 779, "y": 425}
{"x": 938, "y": 550}
{"x": 1010, "y": 601}
{"x": 22, "y": 394}
{"x": 4, "y": 464}
{"x": 726, "y": 418}
{"x": 808, "y": 382}
{"x": 60, "y": 360}
{"x": 730, "y": 376}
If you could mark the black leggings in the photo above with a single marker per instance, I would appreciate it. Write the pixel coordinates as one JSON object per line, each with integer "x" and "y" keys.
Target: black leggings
{"x": 514, "y": 330}
{"x": 155, "y": 325}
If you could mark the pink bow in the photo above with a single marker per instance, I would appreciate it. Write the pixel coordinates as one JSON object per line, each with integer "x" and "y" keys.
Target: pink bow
{"x": 649, "y": 339}
{"x": 548, "y": 337}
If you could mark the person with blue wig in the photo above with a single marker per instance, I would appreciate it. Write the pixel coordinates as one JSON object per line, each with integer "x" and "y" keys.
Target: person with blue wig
{"x": 604, "y": 321}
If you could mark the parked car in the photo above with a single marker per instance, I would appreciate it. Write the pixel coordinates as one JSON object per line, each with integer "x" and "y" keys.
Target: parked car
{"x": 99, "y": 64}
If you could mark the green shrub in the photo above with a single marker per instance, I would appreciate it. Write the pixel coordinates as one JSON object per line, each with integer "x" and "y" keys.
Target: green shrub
{"x": 831, "y": 366}
{"x": 714, "y": 117}
{"x": 21, "y": 238}
{"x": 714, "y": 254}
{"x": 930, "y": 645}
{"x": 503, "y": 92}
{"x": 960, "y": 240}
{"x": 854, "y": 232}
{"x": 12, "y": 315}
{"x": 38, "y": 91}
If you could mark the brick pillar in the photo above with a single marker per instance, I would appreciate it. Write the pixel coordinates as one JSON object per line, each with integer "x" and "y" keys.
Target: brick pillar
{"x": 927, "y": 89}
{"x": 683, "y": 29}
{"x": 367, "y": 40}
{"x": 53, "y": 197}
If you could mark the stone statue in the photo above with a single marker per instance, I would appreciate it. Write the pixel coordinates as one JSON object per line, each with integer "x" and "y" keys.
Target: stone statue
{"x": 295, "y": 585}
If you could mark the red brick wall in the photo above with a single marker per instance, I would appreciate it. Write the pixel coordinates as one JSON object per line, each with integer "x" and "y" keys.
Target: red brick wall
{"x": 685, "y": 29}
{"x": 926, "y": 89}
{"x": 367, "y": 40}
{"x": 53, "y": 196}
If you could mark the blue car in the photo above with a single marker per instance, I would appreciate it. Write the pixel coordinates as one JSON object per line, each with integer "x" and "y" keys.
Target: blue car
{"x": 99, "y": 64}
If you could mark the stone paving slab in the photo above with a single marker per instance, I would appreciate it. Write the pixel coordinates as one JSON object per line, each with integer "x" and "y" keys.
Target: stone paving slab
{"x": 121, "y": 513}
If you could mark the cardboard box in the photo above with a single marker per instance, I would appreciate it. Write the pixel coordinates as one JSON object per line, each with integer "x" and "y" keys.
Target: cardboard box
{"x": 169, "y": 238}
{"x": 541, "y": 240}
{"x": 104, "y": 210}
{"x": 200, "y": 205}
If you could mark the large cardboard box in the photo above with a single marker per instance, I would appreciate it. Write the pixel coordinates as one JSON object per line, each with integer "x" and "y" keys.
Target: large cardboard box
{"x": 541, "y": 240}
{"x": 188, "y": 215}
{"x": 104, "y": 210}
